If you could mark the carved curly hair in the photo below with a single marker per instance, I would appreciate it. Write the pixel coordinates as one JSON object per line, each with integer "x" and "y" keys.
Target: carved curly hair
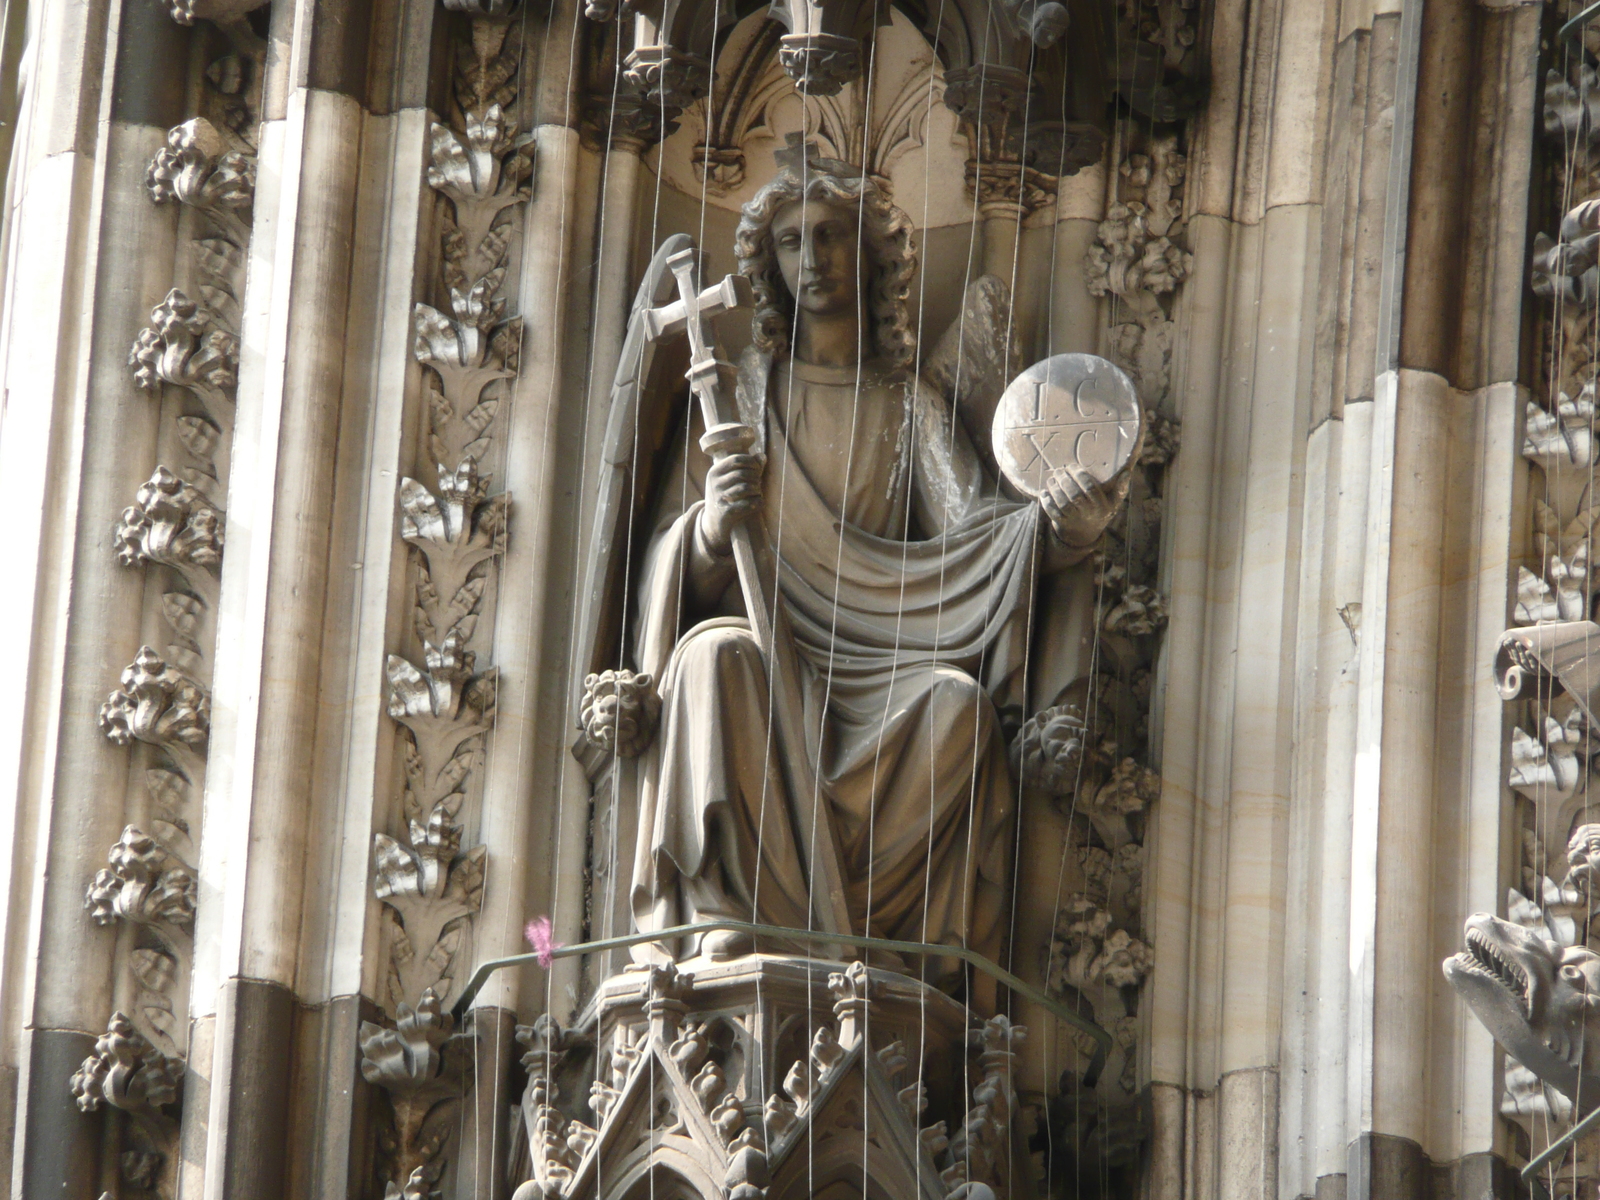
{"x": 886, "y": 238}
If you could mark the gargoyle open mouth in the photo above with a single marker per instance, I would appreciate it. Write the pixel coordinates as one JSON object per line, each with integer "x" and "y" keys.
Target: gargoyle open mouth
{"x": 1536, "y": 997}
{"x": 1482, "y": 956}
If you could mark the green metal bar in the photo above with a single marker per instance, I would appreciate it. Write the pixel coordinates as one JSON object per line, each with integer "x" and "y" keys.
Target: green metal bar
{"x": 1582, "y": 18}
{"x": 1027, "y": 990}
{"x": 1571, "y": 1135}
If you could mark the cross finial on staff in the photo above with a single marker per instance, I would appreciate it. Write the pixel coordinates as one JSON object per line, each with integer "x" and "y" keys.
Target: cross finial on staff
{"x": 801, "y": 155}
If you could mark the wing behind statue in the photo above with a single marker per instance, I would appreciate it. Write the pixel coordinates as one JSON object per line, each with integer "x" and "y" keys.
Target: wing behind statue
{"x": 646, "y": 393}
{"x": 975, "y": 358}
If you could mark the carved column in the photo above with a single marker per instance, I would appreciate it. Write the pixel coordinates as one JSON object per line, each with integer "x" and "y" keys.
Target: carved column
{"x": 283, "y": 502}
{"x": 510, "y": 815}
{"x": 1073, "y": 316}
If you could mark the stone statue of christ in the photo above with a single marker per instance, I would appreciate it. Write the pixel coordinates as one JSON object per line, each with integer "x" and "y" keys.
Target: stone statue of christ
{"x": 906, "y": 574}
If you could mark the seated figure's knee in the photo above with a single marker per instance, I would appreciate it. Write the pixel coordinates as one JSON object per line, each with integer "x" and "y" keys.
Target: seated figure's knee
{"x": 712, "y": 648}
{"x": 962, "y": 699}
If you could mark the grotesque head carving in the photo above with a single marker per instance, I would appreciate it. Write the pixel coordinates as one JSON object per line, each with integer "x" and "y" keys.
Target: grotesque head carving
{"x": 1540, "y": 1000}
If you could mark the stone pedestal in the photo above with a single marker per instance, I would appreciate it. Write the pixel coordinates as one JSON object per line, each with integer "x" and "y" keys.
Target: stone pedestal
{"x": 773, "y": 1076}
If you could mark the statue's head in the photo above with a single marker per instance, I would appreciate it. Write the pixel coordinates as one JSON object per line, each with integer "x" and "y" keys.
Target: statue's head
{"x": 820, "y": 238}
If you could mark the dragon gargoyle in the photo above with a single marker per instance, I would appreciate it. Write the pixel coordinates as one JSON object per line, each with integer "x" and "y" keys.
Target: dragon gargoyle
{"x": 1540, "y": 1001}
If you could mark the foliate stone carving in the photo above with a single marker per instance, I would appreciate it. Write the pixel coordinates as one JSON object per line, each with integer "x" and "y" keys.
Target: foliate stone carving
{"x": 226, "y": 13}
{"x": 128, "y": 1073}
{"x": 748, "y": 1175}
{"x": 157, "y": 704}
{"x": 481, "y": 167}
{"x": 670, "y": 78}
{"x": 979, "y": 1152}
{"x": 1156, "y": 65}
{"x": 456, "y": 532}
{"x": 1136, "y": 266}
{"x": 144, "y": 883}
{"x": 1094, "y": 954}
{"x": 1140, "y": 612}
{"x": 619, "y": 711}
{"x": 483, "y": 170}
{"x": 1136, "y": 259}
{"x": 1572, "y": 109}
{"x": 422, "y": 1067}
{"x": 1542, "y": 945}
{"x": 442, "y": 707}
{"x": 557, "y": 1142}
{"x": 819, "y": 63}
{"x": 171, "y": 523}
{"x": 429, "y": 884}
{"x": 199, "y": 167}
{"x": 186, "y": 345}
{"x": 174, "y": 529}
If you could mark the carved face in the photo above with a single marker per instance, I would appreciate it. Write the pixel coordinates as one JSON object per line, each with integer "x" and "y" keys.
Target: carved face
{"x": 1541, "y": 1001}
{"x": 818, "y": 246}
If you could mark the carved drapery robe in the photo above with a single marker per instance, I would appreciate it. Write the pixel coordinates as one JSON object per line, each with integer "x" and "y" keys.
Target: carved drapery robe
{"x": 906, "y": 581}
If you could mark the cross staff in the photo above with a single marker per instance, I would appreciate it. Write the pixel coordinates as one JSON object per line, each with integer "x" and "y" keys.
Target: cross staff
{"x": 769, "y": 625}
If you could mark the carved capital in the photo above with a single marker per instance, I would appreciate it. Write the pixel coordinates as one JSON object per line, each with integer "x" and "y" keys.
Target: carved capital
{"x": 819, "y": 63}
{"x": 623, "y": 120}
{"x": 668, "y": 78}
{"x": 986, "y": 96}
